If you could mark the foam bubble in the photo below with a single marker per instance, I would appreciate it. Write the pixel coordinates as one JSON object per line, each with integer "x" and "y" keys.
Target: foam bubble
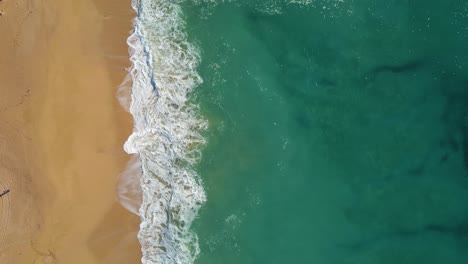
{"x": 167, "y": 131}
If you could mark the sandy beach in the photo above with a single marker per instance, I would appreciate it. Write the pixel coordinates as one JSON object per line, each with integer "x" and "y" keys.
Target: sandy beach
{"x": 62, "y": 132}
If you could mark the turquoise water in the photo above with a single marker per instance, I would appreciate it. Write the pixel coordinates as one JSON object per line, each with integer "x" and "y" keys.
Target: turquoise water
{"x": 338, "y": 131}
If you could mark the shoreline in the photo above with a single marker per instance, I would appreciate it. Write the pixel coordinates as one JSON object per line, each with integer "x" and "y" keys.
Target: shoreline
{"x": 168, "y": 132}
{"x": 75, "y": 131}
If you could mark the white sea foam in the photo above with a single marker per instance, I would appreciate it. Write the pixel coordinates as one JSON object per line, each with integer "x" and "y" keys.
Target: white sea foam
{"x": 167, "y": 131}
{"x": 129, "y": 188}
{"x": 124, "y": 93}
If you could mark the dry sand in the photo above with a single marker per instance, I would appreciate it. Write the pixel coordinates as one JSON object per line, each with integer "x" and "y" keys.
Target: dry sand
{"x": 62, "y": 131}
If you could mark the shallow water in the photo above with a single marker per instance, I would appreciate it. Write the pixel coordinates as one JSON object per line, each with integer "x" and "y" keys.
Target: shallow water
{"x": 330, "y": 131}
{"x": 337, "y": 132}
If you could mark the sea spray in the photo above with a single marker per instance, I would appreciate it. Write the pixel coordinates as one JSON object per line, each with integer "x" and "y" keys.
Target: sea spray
{"x": 167, "y": 130}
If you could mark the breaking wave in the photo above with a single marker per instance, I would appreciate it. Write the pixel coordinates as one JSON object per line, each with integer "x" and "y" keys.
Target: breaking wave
{"x": 166, "y": 133}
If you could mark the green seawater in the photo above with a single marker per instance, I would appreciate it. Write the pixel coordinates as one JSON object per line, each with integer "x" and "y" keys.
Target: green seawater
{"x": 338, "y": 131}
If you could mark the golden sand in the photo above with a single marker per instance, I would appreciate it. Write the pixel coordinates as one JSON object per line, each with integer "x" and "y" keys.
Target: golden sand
{"x": 62, "y": 132}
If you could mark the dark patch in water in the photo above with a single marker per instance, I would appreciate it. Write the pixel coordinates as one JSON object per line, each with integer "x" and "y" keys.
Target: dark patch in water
{"x": 453, "y": 143}
{"x": 396, "y": 69}
{"x": 459, "y": 231}
{"x": 417, "y": 171}
{"x": 406, "y": 67}
{"x": 444, "y": 158}
{"x": 465, "y": 146}
{"x": 303, "y": 120}
{"x": 326, "y": 82}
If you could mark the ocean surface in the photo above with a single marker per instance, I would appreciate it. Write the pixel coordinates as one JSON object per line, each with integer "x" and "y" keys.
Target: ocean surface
{"x": 301, "y": 131}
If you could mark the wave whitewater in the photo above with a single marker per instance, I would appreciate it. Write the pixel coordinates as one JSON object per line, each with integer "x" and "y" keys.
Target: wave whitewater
{"x": 167, "y": 129}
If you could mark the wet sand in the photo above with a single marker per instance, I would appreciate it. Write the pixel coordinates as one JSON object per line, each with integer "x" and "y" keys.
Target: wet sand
{"x": 62, "y": 132}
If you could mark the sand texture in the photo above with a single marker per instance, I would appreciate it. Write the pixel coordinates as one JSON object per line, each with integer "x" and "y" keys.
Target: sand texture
{"x": 62, "y": 132}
